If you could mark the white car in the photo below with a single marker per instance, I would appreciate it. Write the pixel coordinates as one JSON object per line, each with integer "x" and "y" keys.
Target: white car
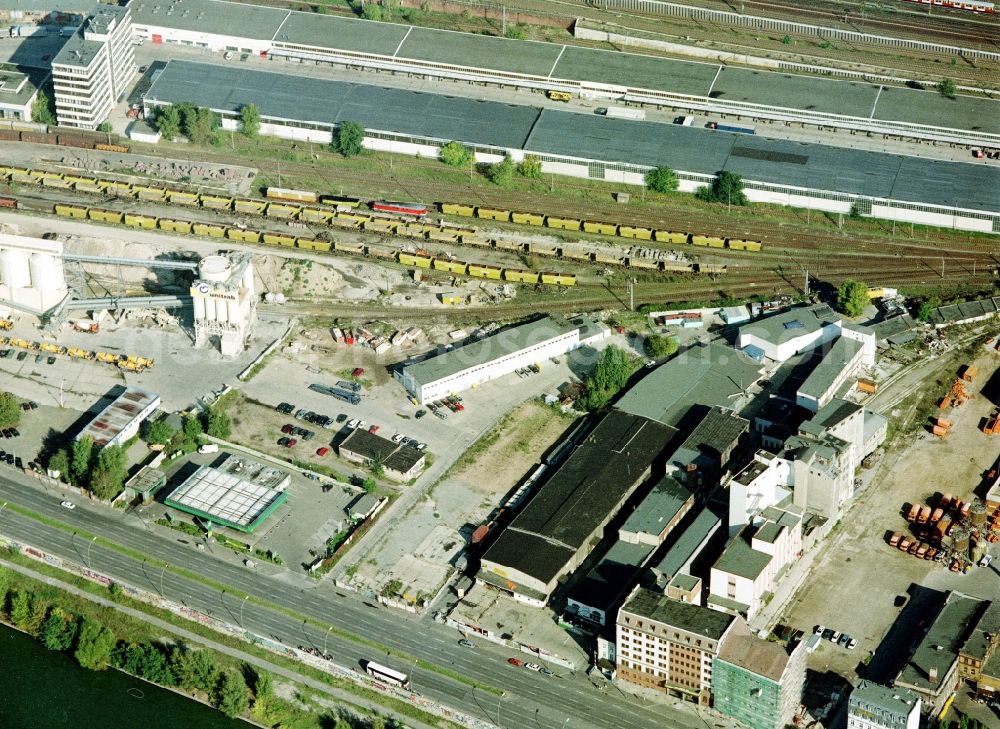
{"x": 985, "y": 561}
{"x": 533, "y": 667}
{"x": 420, "y": 446}
{"x": 228, "y": 55}
{"x": 67, "y": 504}
{"x": 362, "y": 425}
{"x": 353, "y": 423}
{"x": 397, "y": 438}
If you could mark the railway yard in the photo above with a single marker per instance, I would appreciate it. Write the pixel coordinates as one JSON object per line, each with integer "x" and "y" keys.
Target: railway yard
{"x": 409, "y": 361}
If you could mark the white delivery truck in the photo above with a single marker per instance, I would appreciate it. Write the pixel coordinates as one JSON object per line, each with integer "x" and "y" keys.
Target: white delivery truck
{"x": 621, "y": 112}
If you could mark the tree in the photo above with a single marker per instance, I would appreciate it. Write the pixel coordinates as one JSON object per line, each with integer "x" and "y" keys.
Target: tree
{"x": 946, "y": 87}
{"x": 202, "y": 126}
{"x": 105, "y": 127}
{"x": 192, "y": 427}
{"x": 104, "y": 485}
{"x": 43, "y": 111}
{"x": 852, "y": 298}
{"x": 94, "y": 646}
{"x": 153, "y": 665}
{"x": 501, "y": 173}
{"x": 727, "y": 187}
{"x": 263, "y": 686}
{"x": 348, "y": 137}
{"x": 515, "y": 32}
{"x": 167, "y": 122}
{"x": 369, "y": 484}
{"x": 218, "y": 425}
{"x": 250, "y": 120}
{"x": 232, "y": 696}
{"x": 112, "y": 461}
{"x": 927, "y": 308}
{"x": 610, "y": 375}
{"x": 371, "y": 11}
{"x": 60, "y": 462}
{"x": 10, "y": 410}
{"x": 455, "y": 154}
{"x": 194, "y": 669}
{"x": 662, "y": 179}
{"x": 659, "y": 346}
{"x": 83, "y": 454}
{"x": 58, "y": 630}
{"x": 20, "y": 607}
{"x": 157, "y": 433}
{"x": 530, "y": 167}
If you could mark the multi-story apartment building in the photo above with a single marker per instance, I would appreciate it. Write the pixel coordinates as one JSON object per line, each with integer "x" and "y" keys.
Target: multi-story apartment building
{"x": 877, "y": 707}
{"x": 669, "y": 645}
{"x": 759, "y": 682}
{"x": 91, "y": 72}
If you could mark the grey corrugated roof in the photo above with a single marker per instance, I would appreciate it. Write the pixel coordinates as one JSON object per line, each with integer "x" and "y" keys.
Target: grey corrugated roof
{"x": 834, "y": 361}
{"x": 685, "y": 616}
{"x": 897, "y": 702}
{"x": 604, "y": 584}
{"x": 211, "y": 16}
{"x": 829, "y": 416}
{"x": 718, "y": 430}
{"x": 951, "y": 313}
{"x": 739, "y": 558}
{"x": 503, "y": 343}
{"x": 369, "y": 445}
{"x": 684, "y": 548}
{"x": 940, "y": 645}
{"x": 791, "y": 324}
{"x": 661, "y": 505}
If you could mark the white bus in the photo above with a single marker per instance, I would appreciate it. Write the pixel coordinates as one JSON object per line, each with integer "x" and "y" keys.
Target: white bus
{"x": 387, "y": 674}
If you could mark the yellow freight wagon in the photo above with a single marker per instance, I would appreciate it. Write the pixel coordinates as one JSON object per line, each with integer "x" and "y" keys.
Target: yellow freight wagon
{"x": 543, "y": 249}
{"x": 481, "y": 271}
{"x": 345, "y": 224}
{"x": 627, "y": 231}
{"x": 57, "y": 182}
{"x": 505, "y": 244}
{"x": 519, "y": 276}
{"x": 312, "y": 244}
{"x": 316, "y": 215}
{"x": 559, "y": 279}
{"x": 377, "y": 225}
{"x": 91, "y": 187}
{"x": 44, "y": 175}
{"x": 212, "y": 231}
{"x": 5, "y": 171}
{"x": 563, "y": 223}
{"x": 444, "y": 235}
{"x": 493, "y": 214}
{"x": 743, "y": 245}
{"x": 466, "y": 211}
{"x": 23, "y": 177}
{"x": 528, "y": 218}
{"x": 668, "y": 236}
{"x": 71, "y": 211}
{"x": 247, "y": 236}
{"x": 353, "y": 248}
{"x": 716, "y": 242}
{"x": 471, "y": 239}
{"x": 577, "y": 254}
{"x": 140, "y": 221}
{"x": 74, "y": 180}
{"x": 252, "y": 207}
{"x": 175, "y": 226}
{"x": 357, "y": 218}
{"x": 450, "y": 266}
{"x": 611, "y": 258}
{"x": 105, "y": 216}
{"x": 216, "y": 202}
{"x": 411, "y": 230}
{"x": 707, "y": 240}
{"x": 276, "y": 239}
{"x": 152, "y": 194}
{"x": 591, "y": 226}
{"x": 121, "y": 189}
{"x": 276, "y": 210}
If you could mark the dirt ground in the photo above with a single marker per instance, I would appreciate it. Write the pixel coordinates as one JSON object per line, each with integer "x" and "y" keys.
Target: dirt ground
{"x": 852, "y": 585}
{"x": 439, "y": 526}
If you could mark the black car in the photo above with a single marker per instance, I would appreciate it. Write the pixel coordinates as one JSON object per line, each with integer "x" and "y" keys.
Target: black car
{"x": 10, "y": 458}
{"x": 341, "y": 418}
{"x": 51, "y": 360}
{"x": 18, "y": 462}
{"x": 419, "y": 414}
{"x": 21, "y": 356}
{"x": 14, "y": 433}
{"x": 285, "y": 408}
{"x": 5, "y": 433}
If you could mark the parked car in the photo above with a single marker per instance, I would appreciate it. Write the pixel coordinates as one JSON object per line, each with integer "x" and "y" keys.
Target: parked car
{"x": 353, "y": 423}
{"x": 228, "y": 55}
{"x": 419, "y": 414}
{"x": 835, "y": 636}
{"x": 533, "y": 667}
{"x": 844, "y": 640}
{"x": 291, "y": 443}
{"x": 545, "y": 671}
{"x": 341, "y": 418}
{"x": 67, "y": 505}
{"x": 852, "y": 644}
{"x": 285, "y": 408}
{"x": 515, "y": 662}
{"x": 373, "y": 430}
{"x": 397, "y": 438}
{"x": 21, "y": 356}
{"x": 466, "y": 643}
{"x": 985, "y": 561}
{"x": 322, "y": 451}
{"x": 283, "y": 441}
{"x": 50, "y": 360}
{"x": 420, "y": 446}
{"x": 287, "y": 428}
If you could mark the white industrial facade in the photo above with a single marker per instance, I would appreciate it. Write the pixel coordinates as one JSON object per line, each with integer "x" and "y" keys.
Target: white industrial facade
{"x": 120, "y": 420}
{"x": 92, "y": 71}
{"x": 224, "y": 302}
{"x": 31, "y": 273}
{"x": 487, "y": 359}
{"x": 878, "y": 707}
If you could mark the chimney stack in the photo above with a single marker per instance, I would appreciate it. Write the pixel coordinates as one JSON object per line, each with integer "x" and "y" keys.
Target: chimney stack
{"x": 932, "y": 674}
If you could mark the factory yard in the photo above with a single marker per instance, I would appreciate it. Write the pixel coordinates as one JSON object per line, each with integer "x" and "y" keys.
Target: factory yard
{"x": 857, "y": 576}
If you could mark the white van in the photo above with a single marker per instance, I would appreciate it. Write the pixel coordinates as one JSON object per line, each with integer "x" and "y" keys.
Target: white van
{"x": 208, "y": 448}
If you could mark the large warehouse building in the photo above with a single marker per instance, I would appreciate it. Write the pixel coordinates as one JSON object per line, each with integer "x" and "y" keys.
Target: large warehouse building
{"x": 500, "y": 354}
{"x": 558, "y": 528}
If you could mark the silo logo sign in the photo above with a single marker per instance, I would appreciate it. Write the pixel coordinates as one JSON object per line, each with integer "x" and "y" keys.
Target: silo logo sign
{"x": 204, "y": 288}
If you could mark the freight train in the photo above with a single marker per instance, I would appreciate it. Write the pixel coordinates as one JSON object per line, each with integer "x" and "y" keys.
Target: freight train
{"x": 976, "y": 6}
{"x": 80, "y": 139}
{"x": 345, "y": 213}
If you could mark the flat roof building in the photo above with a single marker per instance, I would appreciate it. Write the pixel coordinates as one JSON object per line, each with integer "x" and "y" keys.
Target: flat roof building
{"x": 399, "y": 462}
{"x": 842, "y": 361}
{"x": 240, "y": 494}
{"x": 120, "y": 420}
{"x": 500, "y": 354}
{"x": 555, "y": 531}
{"x": 687, "y": 547}
{"x": 18, "y": 90}
{"x": 879, "y": 707}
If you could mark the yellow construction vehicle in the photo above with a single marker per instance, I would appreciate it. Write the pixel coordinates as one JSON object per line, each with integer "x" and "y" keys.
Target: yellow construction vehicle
{"x": 22, "y": 343}
{"x": 6, "y": 324}
{"x": 53, "y": 348}
{"x": 106, "y": 357}
{"x": 80, "y": 353}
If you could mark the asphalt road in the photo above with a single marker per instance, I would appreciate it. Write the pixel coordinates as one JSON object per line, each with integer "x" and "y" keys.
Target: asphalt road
{"x": 531, "y": 700}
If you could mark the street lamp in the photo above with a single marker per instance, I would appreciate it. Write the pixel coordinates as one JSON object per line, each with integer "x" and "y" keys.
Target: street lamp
{"x": 245, "y": 598}
{"x": 162, "y": 572}
{"x": 4, "y": 504}
{"x": 324, "y": 639}
{"x": 89, "y": 545}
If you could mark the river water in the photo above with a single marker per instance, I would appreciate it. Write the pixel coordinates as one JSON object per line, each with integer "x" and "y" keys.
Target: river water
{"x": 47, "y": 690}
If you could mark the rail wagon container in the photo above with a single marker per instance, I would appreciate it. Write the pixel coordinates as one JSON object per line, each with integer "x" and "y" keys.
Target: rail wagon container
{"x": 95, "y": 188}
{"x": 560, "y": 279}
{"x": 707, "y": 240}
{"x": 72, "y": 179}
{"x": 345, "y": 223}
{"x": 647, "y": 264}
{"x": 444, "y": 235}
{"x": 40, "y": 175}
{"x": 179, "y": 197}
{"x": 714, "y": 242}
{"x": 399, "y": 208}
{"x": 493, "y": 214}
{"x": 312, "y": 244}
{"x": 243, "y": 234}
{"x": 216, "y": 202}
{"x": 316, "y": 215}
{"x": 628, "y": 231}
{"x": 151, "y": 194}
{"x": 356, "y": 249}
{"x": 134, "y": 220}
{"x": 670, "y": 236}
{"x": 119, "y": 189}
{"x": 593, "y": 226}
{"x": 562, "y": 223}
{"x": 677, "y": 266}
{"x": 280, "y": 210}
{"x": 528, "y": 219}
{"x": 176, "y": 226}
{"x": 4, "y": 169}
{"x": 105, "y": 216}
{"x": 710, "y": 268}
{"x": 112, "y": 148}
{"x": 738, "y": 244}
{"x": 482, "y": 271}
{"x": 505, "y": 244}
{"x": 520, "y": 276}
{"x": 340, "y": 201}
{"x": 23, "y": 178}
{"x": 411, "y": 230}
{"x": 212, "y": 231}
{"x": 408, "y": 259}
{"x": 543, "y": 249}
{"x": 277, "y": 239}
{"x": 466, "y": 211}
{"x": 460, "y": 267}
{"x": 480, "y": 241}
{"x": 575, "y": 253}
{"x": 71, "y": 211}
{"x": 378, "y": 225}
{"x": 382, "y": 252}
{"x": 283, "y": 193}
{"x": 356, "y": 217}
{"x": 610, "y": 258}
{"x": 252, "y": 207}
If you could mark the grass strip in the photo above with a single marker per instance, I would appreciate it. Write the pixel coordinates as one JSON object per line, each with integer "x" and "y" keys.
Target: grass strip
{"x": 267, "y": 605}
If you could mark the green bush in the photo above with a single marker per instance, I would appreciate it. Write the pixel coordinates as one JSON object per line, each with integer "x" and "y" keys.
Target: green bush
{"x": 349, "y": 136}
{"x": 662, "y": 179}
{"x": 501, "y": 173}
{"x": 455, "y": 154}
{"x": 530, "y": 167}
